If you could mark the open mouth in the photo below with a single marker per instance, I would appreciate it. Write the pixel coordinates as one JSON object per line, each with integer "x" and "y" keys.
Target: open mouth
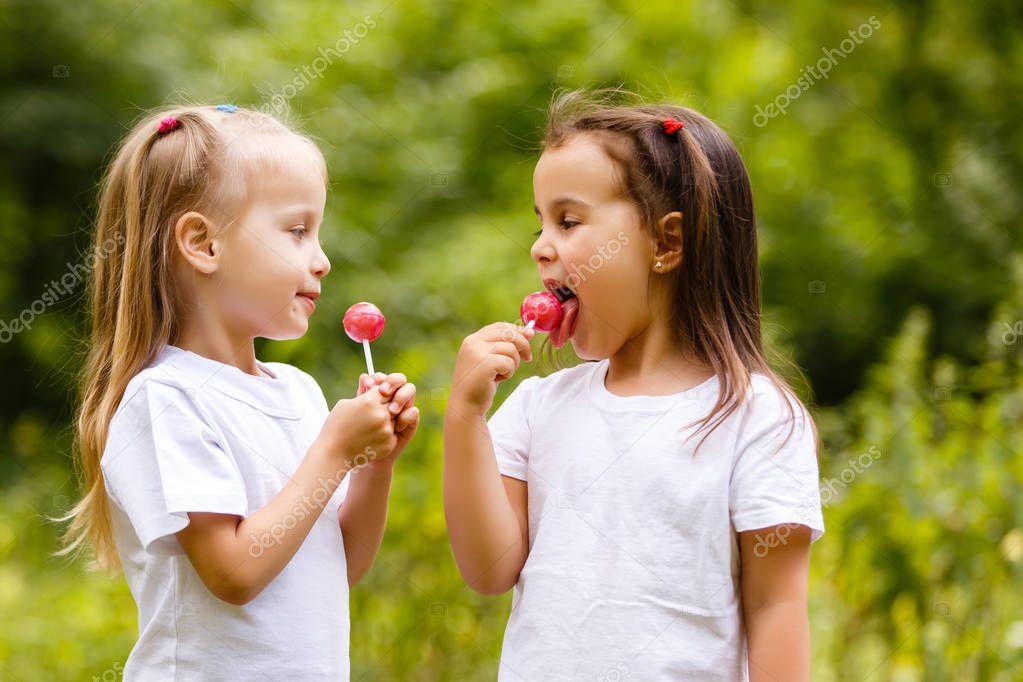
{"x": 569, "y": 311}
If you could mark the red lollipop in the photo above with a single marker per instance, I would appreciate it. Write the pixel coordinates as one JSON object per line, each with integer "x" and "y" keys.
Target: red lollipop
{"x": 364, "y": 323}
{"x": 541, "y": 309}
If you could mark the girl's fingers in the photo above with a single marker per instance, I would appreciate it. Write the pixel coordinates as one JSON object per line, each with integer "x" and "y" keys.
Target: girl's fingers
{"x": 504, "y": 365}
{"x": 378, "y": 379}
{"x": 403, "y": 398}
{"x": 509, "y": 333}
{"x": 406, "y": 419}
{"x": 373, "y": 394}
{"x": 367, "y": 382}
{"x": 392, "y": 382}
{"x": 509, "y": 349}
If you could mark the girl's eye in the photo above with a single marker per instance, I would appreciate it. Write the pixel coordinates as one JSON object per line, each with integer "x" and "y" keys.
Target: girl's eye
{"x": 565, "y": 224}
{"x": 299, "y": 231}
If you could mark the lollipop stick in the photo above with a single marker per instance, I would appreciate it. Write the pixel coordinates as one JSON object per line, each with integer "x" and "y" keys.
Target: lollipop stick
{"x": 531, "y": 324}
{"x": 369, "y": 357}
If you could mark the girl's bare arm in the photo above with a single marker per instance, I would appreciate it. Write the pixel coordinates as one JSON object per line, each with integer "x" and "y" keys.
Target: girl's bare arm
{"x": 485, "y": 511}
{"x": 774, "y": 601}
{"x": 237, "y": 558}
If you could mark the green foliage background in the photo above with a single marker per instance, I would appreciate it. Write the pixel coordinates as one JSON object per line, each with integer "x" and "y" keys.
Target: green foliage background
{"x": 891, "y": 254}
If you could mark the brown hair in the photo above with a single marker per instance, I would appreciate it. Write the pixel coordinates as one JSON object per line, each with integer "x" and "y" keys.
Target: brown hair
{"x": 154, "y": 179}
{"x": 698, "y": 172}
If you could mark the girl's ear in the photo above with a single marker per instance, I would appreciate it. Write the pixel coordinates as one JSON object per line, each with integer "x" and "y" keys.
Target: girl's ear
{"x": 194, "y": 237}
{"x": 668, "y": 244}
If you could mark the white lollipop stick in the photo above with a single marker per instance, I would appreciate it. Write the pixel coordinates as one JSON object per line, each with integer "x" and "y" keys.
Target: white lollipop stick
{"x": 531, "y": 324}
{"x": 369, "y": 357}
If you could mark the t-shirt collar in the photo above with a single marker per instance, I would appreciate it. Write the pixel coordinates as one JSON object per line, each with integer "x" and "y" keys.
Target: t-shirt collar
{"x": 269, "y": 394}
{"x": 607, "y": 400}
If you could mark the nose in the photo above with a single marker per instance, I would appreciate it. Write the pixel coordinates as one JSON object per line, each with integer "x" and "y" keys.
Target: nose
{"x": 320, "y": 264}
{"x": 542, "y": 250}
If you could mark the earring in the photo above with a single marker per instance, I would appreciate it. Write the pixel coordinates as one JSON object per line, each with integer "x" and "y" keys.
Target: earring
{"x": 658, "y": 265}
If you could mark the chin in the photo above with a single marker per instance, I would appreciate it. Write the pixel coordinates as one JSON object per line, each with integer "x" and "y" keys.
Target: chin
{"x": 297, "y": 333}
{"x": 590, "y": 356}
{"x": 289, "y": 334}
{"x": 584, "y": 352}
{"x": 588, "y": 348}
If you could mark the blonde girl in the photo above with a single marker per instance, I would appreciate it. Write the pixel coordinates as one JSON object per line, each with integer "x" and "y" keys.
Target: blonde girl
{"x": 238, "y": 503}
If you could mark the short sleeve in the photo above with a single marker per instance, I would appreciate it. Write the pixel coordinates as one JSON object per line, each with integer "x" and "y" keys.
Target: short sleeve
{"x": 775, "y": 478}
{"x": 162, "y": 460}
{"x": 510, "y": 431}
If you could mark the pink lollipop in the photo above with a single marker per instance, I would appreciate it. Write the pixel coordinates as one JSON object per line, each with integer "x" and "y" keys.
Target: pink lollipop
{"x": 364, "y": 323}
{"x": 541, "y": 309}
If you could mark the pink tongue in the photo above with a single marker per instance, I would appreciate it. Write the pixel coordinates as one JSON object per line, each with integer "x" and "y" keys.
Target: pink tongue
{"x": 569, "y": 309}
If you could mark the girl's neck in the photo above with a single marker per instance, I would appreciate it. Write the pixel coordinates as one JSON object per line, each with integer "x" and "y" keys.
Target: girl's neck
{"x": 654, "y": 363}
{"x": 215, "y": 343}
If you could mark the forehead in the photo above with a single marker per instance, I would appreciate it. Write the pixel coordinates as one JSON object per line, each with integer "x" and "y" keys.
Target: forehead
{"x": 278, "y": 168}
{"x": 290, "y": 183}
{"x": 579, "y": 166}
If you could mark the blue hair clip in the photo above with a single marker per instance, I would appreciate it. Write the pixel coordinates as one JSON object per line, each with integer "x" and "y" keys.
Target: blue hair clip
{"x": 229, "y": 108}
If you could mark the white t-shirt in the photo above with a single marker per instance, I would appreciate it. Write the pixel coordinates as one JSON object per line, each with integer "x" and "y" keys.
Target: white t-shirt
{"x": 195, "y": 435}
{"x": 633, "y": 566}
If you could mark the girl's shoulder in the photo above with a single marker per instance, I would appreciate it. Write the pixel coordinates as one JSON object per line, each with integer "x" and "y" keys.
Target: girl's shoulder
{"x": 191, "y": 378}
{"x": 769, "y": 400}
{"x": 160, "y": 376}
{"x": 549, "y": 394}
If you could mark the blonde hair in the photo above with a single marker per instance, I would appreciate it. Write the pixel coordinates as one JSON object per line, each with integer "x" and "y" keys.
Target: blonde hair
{"x": 202, "y": 164}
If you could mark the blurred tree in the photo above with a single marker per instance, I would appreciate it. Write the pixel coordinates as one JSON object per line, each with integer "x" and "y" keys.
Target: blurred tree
{"x": 889, "y": 214}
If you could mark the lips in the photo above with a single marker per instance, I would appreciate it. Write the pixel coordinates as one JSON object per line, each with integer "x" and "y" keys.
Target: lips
{"x": 309, "y": 297}
{"x": 569, "y": 311}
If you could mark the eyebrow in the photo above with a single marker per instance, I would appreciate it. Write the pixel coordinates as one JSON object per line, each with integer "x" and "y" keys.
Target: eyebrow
{"x": 565, "y": 201}
{"x": 298, "y": 212}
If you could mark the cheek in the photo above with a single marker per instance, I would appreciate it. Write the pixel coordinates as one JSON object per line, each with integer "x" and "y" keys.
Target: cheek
{"x": 255, "y": 275}
{"x": 614, "y": 270}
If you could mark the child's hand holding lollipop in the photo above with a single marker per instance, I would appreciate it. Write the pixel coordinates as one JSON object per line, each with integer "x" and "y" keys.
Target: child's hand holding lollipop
{"x": 363, "y": 322}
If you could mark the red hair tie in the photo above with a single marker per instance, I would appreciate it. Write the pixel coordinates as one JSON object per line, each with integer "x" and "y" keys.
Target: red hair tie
{"x": 168, "y": 124}
{"x": 673, "y": 125}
